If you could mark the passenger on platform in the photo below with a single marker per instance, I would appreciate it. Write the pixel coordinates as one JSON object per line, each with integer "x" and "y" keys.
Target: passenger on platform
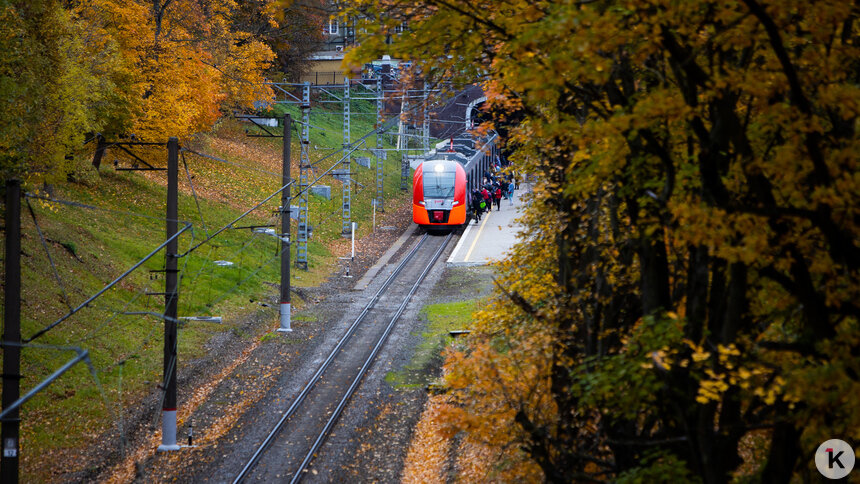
{"x": 510, "y": 191}
{"x": 497, "y": 195}
{"x": 477, "y": 201}
{"x": 485, "y": 194}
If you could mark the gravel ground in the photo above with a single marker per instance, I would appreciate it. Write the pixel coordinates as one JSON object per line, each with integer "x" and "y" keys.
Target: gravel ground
{"x": 374, "y": 434}
{"x": 229, "y": 364}
{"x": 242, "y": 382}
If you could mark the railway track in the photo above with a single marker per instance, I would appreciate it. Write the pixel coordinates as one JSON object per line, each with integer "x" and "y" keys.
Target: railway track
{"x": 291, "y": 445}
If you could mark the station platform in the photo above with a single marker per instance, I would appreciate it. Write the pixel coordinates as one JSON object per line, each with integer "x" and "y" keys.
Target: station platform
{"x": 489, "y": 239}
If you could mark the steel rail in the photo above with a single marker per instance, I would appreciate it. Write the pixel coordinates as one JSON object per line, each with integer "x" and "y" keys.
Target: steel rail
{"x": 316, "y": 376}
{"x": 297, "y": 476}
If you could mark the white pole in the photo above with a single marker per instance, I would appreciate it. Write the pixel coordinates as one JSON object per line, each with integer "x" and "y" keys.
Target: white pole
{"x": 353, "y": 241}
{"x": 168, "y": 431}
{"x": 285, "y": 318}
{"x": 373, "y": 228}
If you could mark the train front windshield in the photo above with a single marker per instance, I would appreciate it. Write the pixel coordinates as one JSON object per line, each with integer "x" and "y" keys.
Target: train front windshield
{"x": 439, "y": 184}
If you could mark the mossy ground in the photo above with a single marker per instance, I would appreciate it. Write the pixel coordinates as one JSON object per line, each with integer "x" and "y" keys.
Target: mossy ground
{"x": 461, "y": 292}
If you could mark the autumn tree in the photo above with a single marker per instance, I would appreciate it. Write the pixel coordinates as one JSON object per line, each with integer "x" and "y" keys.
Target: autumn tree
{"x": 60, "y": 80}
{"x": 293, "y": 30}
{"x": 190, "y": 58}
{"x": 150, "y": 69}
{"x": 687, "y": 291}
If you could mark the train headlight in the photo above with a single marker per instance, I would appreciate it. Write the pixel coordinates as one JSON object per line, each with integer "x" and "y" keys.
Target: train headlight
{"x": 439, "y": 168}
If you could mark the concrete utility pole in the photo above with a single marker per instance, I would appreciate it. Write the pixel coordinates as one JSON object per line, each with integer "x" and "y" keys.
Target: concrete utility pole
{"x": 171, "y": 301}
{"x": 11, "y": 333}
{"x": 285, "y": 229}
{"x": 346, "y": 225}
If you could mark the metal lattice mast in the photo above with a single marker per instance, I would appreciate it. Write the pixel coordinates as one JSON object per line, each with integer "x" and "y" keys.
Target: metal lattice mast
{"x": 402, "y": 125}
{"x": 379, "y": 175}
{"x": 404, "y": 172}
{"x": 304, "y": 167}
{"x": 425, "y": 127}
{"x": 403, "y": 140}
{"x": 346, "y": 227}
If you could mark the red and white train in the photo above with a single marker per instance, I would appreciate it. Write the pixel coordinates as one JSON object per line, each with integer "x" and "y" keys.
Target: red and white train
{"x": 441, "y": 186}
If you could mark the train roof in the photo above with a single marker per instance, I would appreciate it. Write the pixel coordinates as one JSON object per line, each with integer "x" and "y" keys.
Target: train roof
{"x": 460, "y": 148}
{"x": 453, "y": 155}
{"x": 447, "y": 162}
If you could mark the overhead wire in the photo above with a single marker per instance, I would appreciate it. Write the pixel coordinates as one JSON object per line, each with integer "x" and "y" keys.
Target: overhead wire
{"x": 48, "y": 253}
{"x": 354, "y": 147}
{"x": 240, "y": 217}
{"x": 113, "y": 283}
{"x": 238, "y": 284}
{"x": 221, "y": 160}
{"x": 194, "y": 193}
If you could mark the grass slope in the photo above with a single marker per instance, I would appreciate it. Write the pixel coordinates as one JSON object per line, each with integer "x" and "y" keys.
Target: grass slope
{"x": 89, "y": 247}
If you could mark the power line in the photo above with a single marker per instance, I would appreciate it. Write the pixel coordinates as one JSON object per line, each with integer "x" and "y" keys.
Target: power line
{"x": 221, "y": 160}
{"x": 109, "y": 285}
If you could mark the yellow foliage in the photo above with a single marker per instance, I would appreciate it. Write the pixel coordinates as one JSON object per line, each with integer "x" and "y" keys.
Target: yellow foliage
{"x": 691, "y": 252}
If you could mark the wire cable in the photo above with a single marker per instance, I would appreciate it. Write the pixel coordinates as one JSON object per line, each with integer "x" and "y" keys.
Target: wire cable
{"x": 194, "y": 193}
{"x": 110, "y": 285}
{"x": 236, "y": 286}
{"x": 240, "y": 217}
{"x": 48, "y": 253}
{"x": 221, "y": 160}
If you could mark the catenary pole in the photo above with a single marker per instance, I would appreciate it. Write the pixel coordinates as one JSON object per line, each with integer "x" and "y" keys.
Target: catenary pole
{"x": 425, "y": 125}
{"x": 380, "y": 100}
{"x": 171, "y": 301}
{"x": 403, "y": 141}
{"x": 285, "y": 229}
{"x": 346, "y": 225}
{"x": 12, "y": 333}
{"x": 304, "y": 182}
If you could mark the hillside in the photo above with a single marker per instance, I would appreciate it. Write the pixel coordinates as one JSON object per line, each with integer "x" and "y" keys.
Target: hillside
{"x": 117, "y": 219}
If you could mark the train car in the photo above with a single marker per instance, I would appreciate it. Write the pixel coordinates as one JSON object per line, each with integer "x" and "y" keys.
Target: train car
{"x": 439, "y": 194}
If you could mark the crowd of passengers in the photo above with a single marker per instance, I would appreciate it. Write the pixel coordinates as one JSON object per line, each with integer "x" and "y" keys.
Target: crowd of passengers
{"x": 494, "y": 187}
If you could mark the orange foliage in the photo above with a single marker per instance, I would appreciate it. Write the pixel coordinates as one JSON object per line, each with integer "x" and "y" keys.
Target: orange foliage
{"x": 691, "y": 269}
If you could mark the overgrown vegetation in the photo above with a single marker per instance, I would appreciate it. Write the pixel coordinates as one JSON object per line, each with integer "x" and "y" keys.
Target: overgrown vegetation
{"x": 92, "y": 246}
{"x": 440, "y": 319}
{"x": 688, "y": 288}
